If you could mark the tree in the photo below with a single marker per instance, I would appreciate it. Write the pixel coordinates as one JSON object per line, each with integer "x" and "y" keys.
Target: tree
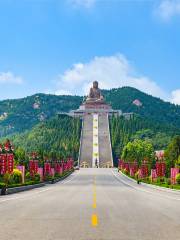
{"x": 58, "y": 137}
{"x": 172, "y": 153}
{"x": 138, "y": 150}
{"x": 125, "y": 130}
{"x": 20, "y": 156}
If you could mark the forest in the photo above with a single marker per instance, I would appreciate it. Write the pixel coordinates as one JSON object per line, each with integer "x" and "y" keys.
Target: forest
{"x": 32, "y": 123}
{"x": 57, "y": 138}
{"x": 127, "y": 130}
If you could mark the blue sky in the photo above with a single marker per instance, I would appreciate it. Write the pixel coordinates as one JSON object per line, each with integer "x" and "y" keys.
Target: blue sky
{"x": 61, "y": 46}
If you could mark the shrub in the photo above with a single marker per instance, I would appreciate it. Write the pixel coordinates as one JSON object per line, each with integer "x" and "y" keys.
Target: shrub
{"x": 17, "y": 176}
{"x": 15, "y": 185}
{"x": 6, "y": 178}
{"x": 29, "y": 183}
{"x": 1, "y": 178}
{"x": 57, "y": 175}
{"x": 125, "y": 171}
{"x": 149, "y": 179}
{"x": 160, "y": 180}
{"x": 37, "y": 177}
{"x": 168, "y": 181}
{"x": 163, "y": 180}
{"x": 178, "y": 178}
{"x": 28, "y": 176}
{"x": 47, "y": 177}
{"x": 11, "y": 180}
{"x": 2, "y": 185}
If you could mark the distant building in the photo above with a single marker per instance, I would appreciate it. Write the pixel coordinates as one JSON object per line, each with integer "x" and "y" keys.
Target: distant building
{"x": 95, "y": 103}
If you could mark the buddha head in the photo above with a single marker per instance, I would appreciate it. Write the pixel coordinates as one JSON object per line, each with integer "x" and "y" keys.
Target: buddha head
{"x": 95, "y": 84}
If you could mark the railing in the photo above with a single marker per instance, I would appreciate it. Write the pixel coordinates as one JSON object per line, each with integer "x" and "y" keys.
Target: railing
{"x": 80, "y": 147}
{"x": 110, "y": 141}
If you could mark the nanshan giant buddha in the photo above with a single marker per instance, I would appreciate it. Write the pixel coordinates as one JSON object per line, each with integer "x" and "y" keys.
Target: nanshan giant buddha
{"x": 95, "y": 94}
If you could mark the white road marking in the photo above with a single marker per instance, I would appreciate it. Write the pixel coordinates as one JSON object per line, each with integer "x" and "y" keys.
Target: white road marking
{"x": 72, "y": 177}
{"x": 143, "y": 190}
{"x": 4, "y": 199}
{"x": 23, "y": 197}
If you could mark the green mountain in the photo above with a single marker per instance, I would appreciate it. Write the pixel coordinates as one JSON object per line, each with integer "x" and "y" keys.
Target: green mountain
{"x": 152, "y": 108}
{"x": 57, "y": 137}
{"x": 32, "y": 123}
{"x": 17, "y": 116}
{"x": 124, "y": 130}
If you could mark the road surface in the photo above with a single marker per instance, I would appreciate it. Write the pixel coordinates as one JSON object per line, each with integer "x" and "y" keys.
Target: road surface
{"x": 91, "y": 204}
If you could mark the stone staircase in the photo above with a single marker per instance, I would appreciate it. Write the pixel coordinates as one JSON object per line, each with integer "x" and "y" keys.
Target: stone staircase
{"x": 104, "y": 143}
{"x": 86, "y": 150}
{"x": 105, "y": 151}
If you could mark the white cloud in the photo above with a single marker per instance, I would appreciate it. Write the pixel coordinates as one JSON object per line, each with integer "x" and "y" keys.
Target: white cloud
{"x": 168, "y": 8}
{"x": 110, "y": 71}
{"x": 9, "y": 77}
{"x": 176, "y": 96}
{"x": 82, "y": 3}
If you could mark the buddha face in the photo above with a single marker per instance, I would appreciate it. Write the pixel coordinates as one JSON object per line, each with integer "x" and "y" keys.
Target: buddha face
{"x": 95, "y": 84}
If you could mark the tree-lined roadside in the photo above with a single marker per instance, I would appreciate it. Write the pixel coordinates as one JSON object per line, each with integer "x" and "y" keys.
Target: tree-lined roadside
{"x": 141, "y": 162}
{"x": 126, "y": 130}
{"x": 47, "y": 153}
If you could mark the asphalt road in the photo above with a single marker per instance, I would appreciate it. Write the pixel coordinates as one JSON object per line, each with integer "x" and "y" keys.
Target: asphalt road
{"x": 91, "y": 204}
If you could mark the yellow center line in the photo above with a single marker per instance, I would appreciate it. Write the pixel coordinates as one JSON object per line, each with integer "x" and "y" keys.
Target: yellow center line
{"x": 94, "y": 205}
{"x": 94, "y": 217}
{"x": 94, "y": 220}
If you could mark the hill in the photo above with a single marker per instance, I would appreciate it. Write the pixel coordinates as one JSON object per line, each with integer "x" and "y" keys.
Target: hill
{"x": 123, "y": 130}
{"x": 19, "y": 115}
{"x": 58, "y": 136}
{"x": 151, "y": 107}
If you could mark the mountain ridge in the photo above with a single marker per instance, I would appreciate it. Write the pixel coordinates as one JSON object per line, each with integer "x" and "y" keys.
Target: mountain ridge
{"x": 19, "y": 115}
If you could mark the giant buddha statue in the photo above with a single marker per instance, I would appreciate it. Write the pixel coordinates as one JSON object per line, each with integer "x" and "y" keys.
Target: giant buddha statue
{"x": 95, "y": 95}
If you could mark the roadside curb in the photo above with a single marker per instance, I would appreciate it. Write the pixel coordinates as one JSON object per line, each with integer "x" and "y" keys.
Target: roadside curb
{"x": 152, "y": 186}
{"x": 24, "y": 188}
{"x": 161, "y": 188}
{"x": 133, "y": 180}
{"x": 59, "y": 179}
{"x": 30, "y": 187}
